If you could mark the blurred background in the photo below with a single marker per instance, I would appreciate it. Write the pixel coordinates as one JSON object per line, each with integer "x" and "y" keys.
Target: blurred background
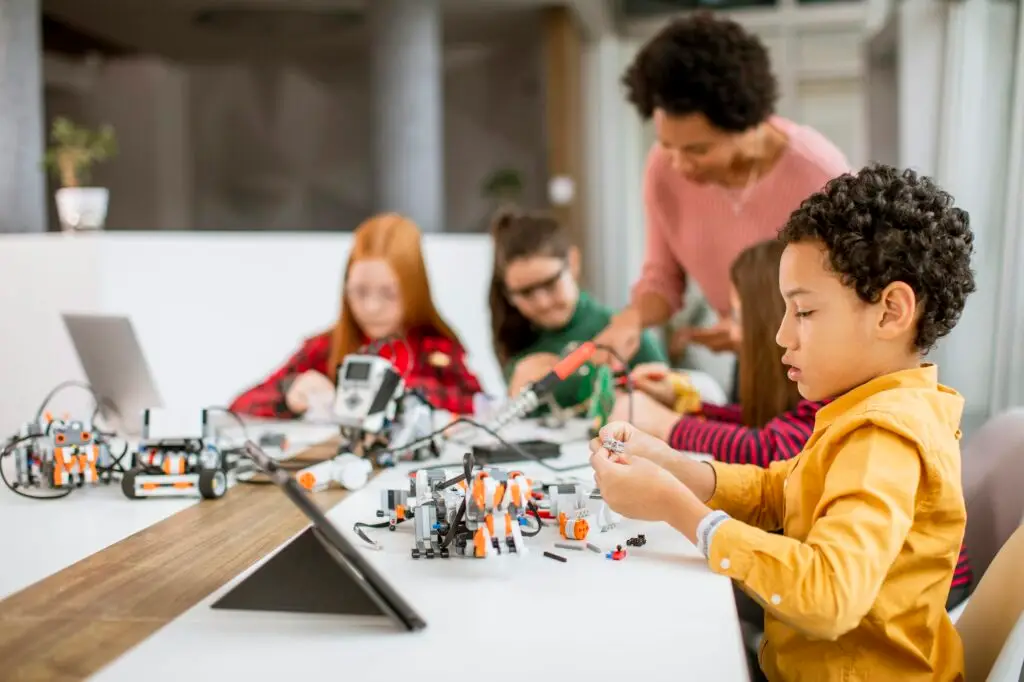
{"x": 252, "y": 135}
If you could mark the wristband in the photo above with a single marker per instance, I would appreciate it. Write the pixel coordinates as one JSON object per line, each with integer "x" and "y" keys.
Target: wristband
{"x": 706, "y": 530}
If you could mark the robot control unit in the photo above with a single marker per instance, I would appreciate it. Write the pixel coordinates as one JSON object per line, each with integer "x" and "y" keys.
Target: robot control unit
{"x": 177, "y": 456}
{"x": 59, "y": 454}
{"x": 375, "y": 412}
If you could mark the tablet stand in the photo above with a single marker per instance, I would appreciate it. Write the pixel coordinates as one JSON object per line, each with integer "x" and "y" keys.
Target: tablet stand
{"x": 303, "y": 577}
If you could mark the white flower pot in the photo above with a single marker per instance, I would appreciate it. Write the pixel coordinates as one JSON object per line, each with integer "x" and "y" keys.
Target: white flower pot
{"x": 82, "y": 208}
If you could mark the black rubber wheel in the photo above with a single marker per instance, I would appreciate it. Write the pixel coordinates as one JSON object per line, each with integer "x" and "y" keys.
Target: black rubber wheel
{"x": 415, "y": 553}
{"x": 128, "y": 484}
{"x": 213, "y": 483}
{"x": 445, "y": 553}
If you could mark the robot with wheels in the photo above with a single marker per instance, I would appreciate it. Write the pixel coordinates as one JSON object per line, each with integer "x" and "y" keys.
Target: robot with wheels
{"x": 60, "y": 453}
{"x": 375, "y": 413}
{"x": 177, "y": 456}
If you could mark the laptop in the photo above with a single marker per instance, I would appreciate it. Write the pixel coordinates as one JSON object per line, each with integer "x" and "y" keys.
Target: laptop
{"x": 357, "y": 580}
{"x": 114, "y": 365}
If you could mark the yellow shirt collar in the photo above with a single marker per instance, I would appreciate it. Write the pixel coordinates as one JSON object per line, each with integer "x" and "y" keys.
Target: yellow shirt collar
{"x": 925, "y": 376}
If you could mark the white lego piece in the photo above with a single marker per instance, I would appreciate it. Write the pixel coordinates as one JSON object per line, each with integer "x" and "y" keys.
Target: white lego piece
{"x": 161, "y": 424}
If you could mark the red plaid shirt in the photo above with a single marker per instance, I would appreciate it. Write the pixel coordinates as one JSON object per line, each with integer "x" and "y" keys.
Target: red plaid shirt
{"x": 448, "y": 386}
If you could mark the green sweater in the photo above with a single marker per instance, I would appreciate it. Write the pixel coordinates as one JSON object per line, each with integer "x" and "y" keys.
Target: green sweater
{"x": 588, "y": 320}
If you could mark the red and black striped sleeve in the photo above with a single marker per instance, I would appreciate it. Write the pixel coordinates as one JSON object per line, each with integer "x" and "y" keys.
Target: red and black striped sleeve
{"x": 962, "y": 575}
{"x": 266, "y": 399}
{"x": 781, "y": 438}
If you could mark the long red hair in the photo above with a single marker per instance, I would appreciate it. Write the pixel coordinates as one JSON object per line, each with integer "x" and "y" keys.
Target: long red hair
{"x": 395, "y": 239}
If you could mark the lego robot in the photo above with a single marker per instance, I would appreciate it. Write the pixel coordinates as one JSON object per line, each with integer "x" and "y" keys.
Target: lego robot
{"x": 568, "y": 503}
{"x": 177, "y": 456}
{"x": 477, "y": 519}
{"x": 60, "y": 453}
{"x": 495, "y": 501}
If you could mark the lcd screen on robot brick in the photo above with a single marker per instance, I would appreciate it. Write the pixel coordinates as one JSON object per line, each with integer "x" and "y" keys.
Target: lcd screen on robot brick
{"x": 357, "y": 371}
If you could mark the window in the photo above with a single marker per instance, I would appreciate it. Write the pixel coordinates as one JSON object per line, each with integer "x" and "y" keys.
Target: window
{"x": 637, "y": 9}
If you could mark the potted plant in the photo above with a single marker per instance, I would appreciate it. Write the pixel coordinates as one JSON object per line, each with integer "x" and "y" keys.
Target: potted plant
{"x": 73, "y": 151}
{"x": 504, "y": 186}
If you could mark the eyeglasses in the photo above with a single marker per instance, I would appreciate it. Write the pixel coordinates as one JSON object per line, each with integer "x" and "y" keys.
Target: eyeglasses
{"x": 548, "y": 285}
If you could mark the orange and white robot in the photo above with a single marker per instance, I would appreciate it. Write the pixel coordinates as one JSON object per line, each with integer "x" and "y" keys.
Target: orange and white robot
{"x": 495, "y": 501}
{"x": 59, "y": 453}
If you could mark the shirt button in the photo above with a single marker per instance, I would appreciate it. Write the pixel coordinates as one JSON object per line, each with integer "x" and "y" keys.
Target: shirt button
{"x": 725, "y": 564}
{"x": 776, "y": 599}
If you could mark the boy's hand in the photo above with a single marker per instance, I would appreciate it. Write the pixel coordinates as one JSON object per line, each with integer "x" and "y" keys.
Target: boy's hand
{"x": 636, "y": 443}
{"x": 635, "y": 487}
{"x": 649, "y": 415}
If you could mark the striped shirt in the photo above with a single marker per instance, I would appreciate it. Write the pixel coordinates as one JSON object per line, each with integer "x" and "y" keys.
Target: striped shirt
{"x": 719, "y": 431}
{"x": 698, "y": 230}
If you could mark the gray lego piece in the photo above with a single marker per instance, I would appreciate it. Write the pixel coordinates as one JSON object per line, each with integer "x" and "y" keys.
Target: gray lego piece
{"x": 563, "y": 545}
{"x": 594, "y": 548}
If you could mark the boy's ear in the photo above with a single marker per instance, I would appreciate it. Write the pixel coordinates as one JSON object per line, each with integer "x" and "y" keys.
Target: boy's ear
{"x": 574, "y": 262}
{"x": 899, "y": 310}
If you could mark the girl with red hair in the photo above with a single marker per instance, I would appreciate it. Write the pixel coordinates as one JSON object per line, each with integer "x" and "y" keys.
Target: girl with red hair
{"x": 385, "y": 294}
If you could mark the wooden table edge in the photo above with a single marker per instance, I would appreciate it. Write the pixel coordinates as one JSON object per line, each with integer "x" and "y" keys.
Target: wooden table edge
{"x": 73, "y": 623}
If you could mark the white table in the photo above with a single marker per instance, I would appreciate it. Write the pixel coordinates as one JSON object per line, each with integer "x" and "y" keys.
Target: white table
{"x": 42, "y": 537}
{"x": 660, "y": 614}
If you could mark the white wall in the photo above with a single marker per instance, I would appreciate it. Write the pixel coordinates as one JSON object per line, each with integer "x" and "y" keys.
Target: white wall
{"x": 214, "y": 312}
{"x": 286, "y": 147}
{"x": 948, "y": 58}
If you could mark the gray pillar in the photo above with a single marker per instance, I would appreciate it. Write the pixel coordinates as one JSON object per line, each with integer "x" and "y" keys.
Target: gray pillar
{"x": 22, "y": 179}
{"x": 407, "y": 109}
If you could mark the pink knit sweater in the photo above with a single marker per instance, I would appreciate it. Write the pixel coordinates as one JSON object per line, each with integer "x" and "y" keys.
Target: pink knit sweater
{"x": 698, "y": 230}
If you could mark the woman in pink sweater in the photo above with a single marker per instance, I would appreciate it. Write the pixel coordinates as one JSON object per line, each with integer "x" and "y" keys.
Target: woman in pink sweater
{"x": 725, "y": 173}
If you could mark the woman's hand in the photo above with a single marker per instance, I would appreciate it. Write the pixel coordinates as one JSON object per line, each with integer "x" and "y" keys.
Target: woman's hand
{"x": 718, "y": 338}
{"x": 621, "y": 335}
{"x": 648, "y": 414}
{"x": 530, "y": 369}
{"x": 309, "y": 388}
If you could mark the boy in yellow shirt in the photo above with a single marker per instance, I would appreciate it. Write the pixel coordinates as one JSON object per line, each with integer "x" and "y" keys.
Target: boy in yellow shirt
{"x": 876, "y": 269}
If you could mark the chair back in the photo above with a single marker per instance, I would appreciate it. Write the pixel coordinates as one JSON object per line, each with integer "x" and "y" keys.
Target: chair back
{"x": 992, "y": 624}
{"x": 992, "y": 462}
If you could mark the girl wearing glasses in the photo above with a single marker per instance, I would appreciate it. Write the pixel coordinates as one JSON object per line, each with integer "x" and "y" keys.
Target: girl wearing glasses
{"x": 538, "y": 312}
{"x": 386, "y": 294}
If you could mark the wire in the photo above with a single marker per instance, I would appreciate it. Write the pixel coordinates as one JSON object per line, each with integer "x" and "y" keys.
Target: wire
{"x": 14, "y": 487}
{"x": 234, "y": 415}
{"x": 466, "y": 420}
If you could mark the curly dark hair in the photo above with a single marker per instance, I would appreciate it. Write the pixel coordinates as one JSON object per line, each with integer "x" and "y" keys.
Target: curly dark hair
{"x": 704, "y": 64}
{"x": 882, "y": 225}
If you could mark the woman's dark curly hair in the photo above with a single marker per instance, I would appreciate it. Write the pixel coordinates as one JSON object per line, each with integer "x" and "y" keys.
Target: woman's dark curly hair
{"x": 704, "y": 64}
{"x": 882, "y": 225}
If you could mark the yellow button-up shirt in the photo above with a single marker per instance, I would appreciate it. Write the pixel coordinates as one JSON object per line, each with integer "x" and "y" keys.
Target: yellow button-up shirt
{"x": 873, "y": 515}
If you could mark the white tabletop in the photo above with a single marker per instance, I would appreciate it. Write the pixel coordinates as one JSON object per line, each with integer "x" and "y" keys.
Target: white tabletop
{"x": 659, "y": 614}
{"x": 42, "y": 537}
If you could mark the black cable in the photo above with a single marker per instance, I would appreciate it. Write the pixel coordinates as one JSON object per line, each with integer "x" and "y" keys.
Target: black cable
{"x": 234, "y": 415}
{"x": 466, "y": 420}
{"x": 14, "y": 487}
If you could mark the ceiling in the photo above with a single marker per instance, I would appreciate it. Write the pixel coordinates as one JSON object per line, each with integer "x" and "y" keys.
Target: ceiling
{"x": 205, "y": 30}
